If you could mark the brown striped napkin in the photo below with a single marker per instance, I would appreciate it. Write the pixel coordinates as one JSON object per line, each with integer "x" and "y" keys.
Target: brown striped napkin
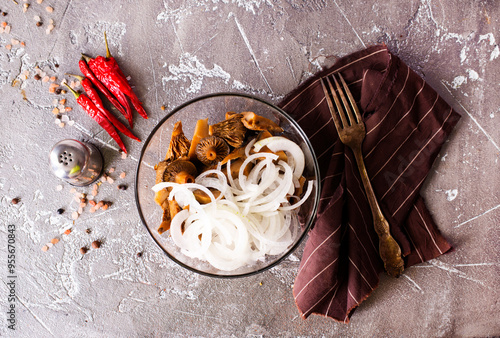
{"x": 407, "y": 123}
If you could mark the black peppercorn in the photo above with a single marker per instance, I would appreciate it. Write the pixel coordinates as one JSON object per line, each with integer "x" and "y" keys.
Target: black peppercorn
{"x": 60, "y": 211}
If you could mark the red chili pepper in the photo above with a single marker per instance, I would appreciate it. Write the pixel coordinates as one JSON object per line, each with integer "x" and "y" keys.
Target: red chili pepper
{"x": 94, "y": 96}
{"x": 85, "y": 69}
{"x": 95, "y": 113}
{"x": 109, "y": 73}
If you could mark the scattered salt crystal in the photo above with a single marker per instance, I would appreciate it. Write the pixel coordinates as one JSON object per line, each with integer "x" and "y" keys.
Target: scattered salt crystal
{"x": 68, "y": 109}
{"x": 45, "y": 79}
{"x": 54, "y": 102}
{"x": 94, "y": 193}
{"x": 110, "y": 180}
{"x": 76, "y": 198}
{"x": 80, "y": 210}
{"x": 122, "y": 175}
{"x": 111, "y": 170}
{"x": 14, "y": 41}
{"x": 2, "y": 30}
{"x": 59, "y": 187}
{"x": 37, "y": 18}
{"x": 73, "y": 190}
{"x": 71, "y": 123}
{"x": 9, "y": 47}
{"x": 39, "y": 2}
{"x": 49, "y": 9}
{"x": 75, "y": 215}
{"x": 54, "y": 240}
{"x": 124, "y": 155}
{"x": 55, "y": 111}
{"x": 7, "y": 29}
{"x": 57, "y": 121}
{"x": 61, "y": 125}
{"x": 61, "y": 108}
{"x": 65, "y": 118}
{"x": 49, "y": 245}
{"x": 92, "y": 210}
{"x": 45, "y": 248}
{"x": 62, "y": 101}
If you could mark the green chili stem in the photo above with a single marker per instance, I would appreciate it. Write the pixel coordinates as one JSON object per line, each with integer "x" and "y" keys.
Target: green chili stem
{"x": 72, "y": 90}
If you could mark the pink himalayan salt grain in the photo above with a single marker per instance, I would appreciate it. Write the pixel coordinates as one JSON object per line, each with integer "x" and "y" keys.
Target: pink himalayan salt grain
{"x": 45, "y": 248}
{"x": 122, "y": 175}
{"x": 75, "y": 215}
{"x": 49, "y": 9}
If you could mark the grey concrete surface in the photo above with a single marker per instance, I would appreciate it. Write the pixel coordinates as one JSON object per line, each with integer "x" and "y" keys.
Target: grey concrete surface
{"x": 177, "y": 50}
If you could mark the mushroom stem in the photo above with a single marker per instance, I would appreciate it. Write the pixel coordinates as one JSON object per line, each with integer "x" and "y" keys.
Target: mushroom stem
{"x": 211, "y": 153}
{"x": 184, "y": 177}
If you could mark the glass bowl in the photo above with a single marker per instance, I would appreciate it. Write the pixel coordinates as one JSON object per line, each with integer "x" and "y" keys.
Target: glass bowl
{"x": 214, "y": 107}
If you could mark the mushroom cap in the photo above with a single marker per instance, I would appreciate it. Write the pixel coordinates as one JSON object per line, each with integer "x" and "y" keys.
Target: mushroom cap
{"x": 231, "y": 130}
{"x": 253, "y": 121}
{"x": 179, "y": 144}
{"x": 211, "y": 150}
{"x": 180, "y": 171}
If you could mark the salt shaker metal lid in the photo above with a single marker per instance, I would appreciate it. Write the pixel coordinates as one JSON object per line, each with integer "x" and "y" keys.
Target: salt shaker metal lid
{"x": 76, "y": 162}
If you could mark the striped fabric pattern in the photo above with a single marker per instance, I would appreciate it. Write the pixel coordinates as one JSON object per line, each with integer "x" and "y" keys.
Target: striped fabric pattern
{"x": 407, "y": 123}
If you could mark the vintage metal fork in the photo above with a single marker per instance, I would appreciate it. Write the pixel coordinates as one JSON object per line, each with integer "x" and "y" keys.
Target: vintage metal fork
{"x": 351, "y": 130}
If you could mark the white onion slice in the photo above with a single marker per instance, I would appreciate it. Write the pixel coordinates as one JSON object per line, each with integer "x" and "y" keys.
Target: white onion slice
{"x": 277, "y": 143}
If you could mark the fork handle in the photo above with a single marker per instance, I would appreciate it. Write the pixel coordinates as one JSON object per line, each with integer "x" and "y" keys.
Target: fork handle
{"x": 389, "y": 249}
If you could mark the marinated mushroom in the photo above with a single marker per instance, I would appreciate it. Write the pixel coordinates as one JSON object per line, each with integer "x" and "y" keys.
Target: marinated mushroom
{"x": 179, "y": 144}
{"x": 253, "y": 121}
{"x": 174, "y": 208}
{"x": 235, "y": 168}
{"x": 203, "y": 197}
{"x": 200, "y": 132}
{"x": 211, "y": 150}
{"x": 180, "y": 171}
{"x": 234, "y": 155}
{"x": 231, "y": 130}
{"x": 165, "y": 221}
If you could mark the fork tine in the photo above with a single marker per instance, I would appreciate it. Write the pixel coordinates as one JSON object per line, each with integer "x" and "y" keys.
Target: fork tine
{"x": 351, "y": 99}
{"x": 338, "y": 124}
{"x": 337, "y": 103}
{"x": 344, "y": 100}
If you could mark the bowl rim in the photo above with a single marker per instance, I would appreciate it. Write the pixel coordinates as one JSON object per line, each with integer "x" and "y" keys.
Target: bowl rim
{"x": 307, "y": 226}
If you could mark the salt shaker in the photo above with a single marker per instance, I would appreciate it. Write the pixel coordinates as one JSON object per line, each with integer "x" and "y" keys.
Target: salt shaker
{"x": 76, "y": 162}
